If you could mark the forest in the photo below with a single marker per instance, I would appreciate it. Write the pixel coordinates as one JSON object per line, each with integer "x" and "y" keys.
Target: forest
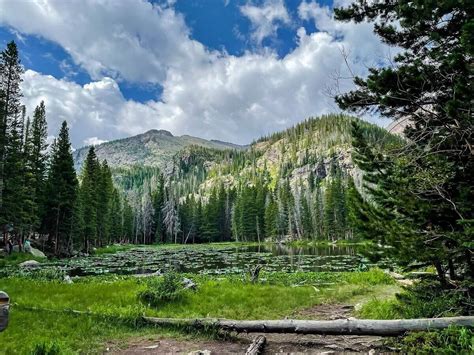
{"x": 98, "y": 206}
{"x": 330, "y": 219}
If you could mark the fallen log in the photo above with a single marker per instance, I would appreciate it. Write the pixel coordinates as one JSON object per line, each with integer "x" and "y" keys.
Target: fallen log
{"x": 256, "y": 348}
{"x": 349, "y": 326}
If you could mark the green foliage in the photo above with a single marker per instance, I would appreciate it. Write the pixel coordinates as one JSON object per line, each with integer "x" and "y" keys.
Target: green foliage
{"x": 453, "y": 340}
{"x": 421, "y": 191}
{"x": 162, "y": 290}
{"x": 428, "y": 300}
{"x": 16, "y": 258}
{"x": 61, "y": 187}
{"x": 47, "y": 348}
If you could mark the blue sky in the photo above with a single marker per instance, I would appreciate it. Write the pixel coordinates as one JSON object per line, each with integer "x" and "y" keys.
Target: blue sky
{"x": 225, "y": 69}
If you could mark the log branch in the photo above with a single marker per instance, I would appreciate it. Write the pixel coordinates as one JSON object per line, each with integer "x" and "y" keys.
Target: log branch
{"x": 256, "y": 348}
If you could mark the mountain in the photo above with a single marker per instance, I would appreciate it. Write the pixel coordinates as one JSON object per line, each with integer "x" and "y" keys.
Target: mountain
{"x": 291, "y": 185}
{"x": 298, "y": 154}
{"x": 154, "y": 148}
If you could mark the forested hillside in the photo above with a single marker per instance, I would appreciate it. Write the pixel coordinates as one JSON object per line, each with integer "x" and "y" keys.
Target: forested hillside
{"x": 292, "y": 185}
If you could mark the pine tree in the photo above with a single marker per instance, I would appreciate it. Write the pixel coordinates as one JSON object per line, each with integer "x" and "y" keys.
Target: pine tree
{"x": 62, "y": 192}
{"x": 422, "y": 203}
{"x": 11, "y": 71}
{"x": 318, "y": 212}
{"x": 37, "y": 156}
{"x": 89, "y": 197}
{"x": 271, "y": 218}
{"x": 306, "y": 218}
{"x": 14, "y": 202}
{"x": 158, "y": 203}
{"x": 104, "y": 190}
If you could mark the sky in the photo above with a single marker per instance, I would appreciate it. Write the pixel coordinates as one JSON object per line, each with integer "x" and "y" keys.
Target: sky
{"x": 232, "y": 70}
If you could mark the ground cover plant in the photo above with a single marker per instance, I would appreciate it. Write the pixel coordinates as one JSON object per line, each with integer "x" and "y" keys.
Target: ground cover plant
{"x": 115, "y": 309}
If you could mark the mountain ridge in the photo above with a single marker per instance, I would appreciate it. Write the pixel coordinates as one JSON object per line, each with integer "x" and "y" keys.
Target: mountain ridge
{"x": 154, "y": 148}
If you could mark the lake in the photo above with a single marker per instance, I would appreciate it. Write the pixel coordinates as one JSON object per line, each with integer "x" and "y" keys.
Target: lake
{"x": 218, "y": 259}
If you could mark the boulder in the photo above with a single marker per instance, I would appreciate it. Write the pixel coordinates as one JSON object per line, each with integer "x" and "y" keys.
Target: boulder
{"x": 189, "y": 284}
{"x": 36, "y": 252}
{"x": 68, "y": 280}
{"x": 30, "y": 264}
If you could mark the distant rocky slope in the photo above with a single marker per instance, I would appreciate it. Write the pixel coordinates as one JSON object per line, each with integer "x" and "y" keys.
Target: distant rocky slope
{"x": 153, "y": 148}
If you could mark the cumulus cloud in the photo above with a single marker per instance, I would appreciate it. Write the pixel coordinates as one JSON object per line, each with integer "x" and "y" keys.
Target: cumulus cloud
{"x": 206, "y": 93}
{"x": 266, "y": 19}
{"x": 127, "y": 39}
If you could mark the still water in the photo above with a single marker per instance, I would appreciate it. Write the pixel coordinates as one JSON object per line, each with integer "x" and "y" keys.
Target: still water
{"x": 212, "y": 259}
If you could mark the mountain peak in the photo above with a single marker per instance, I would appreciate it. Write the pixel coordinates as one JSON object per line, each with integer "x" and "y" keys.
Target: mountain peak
{"x": 161, "y": 132}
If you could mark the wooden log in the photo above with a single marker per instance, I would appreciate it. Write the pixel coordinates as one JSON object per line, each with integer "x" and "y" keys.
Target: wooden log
{"x": 256, "y": 348}
{"x": 349, "y": 326}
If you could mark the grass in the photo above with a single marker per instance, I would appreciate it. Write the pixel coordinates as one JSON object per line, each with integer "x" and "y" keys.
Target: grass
{"x": 72, "y": 333}
{"x": 16, "y": 258}
{"x": 115, "y": 303}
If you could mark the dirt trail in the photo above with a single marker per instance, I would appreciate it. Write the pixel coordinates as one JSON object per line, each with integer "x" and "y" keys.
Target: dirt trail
{"x": 276, "y": 343}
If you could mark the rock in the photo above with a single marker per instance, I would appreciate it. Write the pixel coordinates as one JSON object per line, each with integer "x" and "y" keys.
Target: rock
{"x": 68, "y": 280}
{"x": 189, "y": 284}
{"x": 30, "y": 264}
{"x": 36, "y": 252}
{"x": 200, "y": 352}
{"x": 151, "y": 347}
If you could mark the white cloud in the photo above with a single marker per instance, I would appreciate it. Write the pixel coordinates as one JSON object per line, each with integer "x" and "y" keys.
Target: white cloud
{"x": 94, "y": 141}
{"x": 127, "y": 39}
{"x": 266, "y": 18}
{"x": 205, "y": 93}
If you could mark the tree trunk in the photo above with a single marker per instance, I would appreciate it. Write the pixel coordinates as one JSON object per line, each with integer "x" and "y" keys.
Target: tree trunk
{"x": 470, "y": 264}
{"x": 326, "y": 327}
{"x": 440, "y": 272}
{"x": 452, "y": 272}
{"x": 256, "y": 348}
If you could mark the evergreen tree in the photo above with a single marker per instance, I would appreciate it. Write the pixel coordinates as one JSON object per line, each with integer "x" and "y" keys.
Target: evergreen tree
{"x": 11, "y": 71}
{"x": 14, "y": 203}
{"x": 104, "y": 190}
{"x": 271, "y": 218}
{"x": 318, "y": 212}
{"x": 158, "y": 204}
{"x": 306, "y": 218}
{"x": 422, "y": 203}
{"x": 61, "y": 191}
{"x": 91, "y": 173}
{"x": 36, "y": 142}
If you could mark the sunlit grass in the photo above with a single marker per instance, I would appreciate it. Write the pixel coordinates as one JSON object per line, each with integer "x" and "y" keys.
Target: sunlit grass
{"x": 16, "y": 258}
{"x": 116, "y": 308}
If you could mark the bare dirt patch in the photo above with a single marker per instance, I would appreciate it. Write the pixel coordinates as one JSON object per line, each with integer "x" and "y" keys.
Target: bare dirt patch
{"x": 276, "y": 343}
{"x": 175, "y": 346}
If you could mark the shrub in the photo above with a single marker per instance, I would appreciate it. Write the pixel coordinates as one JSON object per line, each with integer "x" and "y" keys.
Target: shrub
{"x": 453, "y": 340}
{"x": 160, "y": 290}
{"x": 47, "y": 348}
{"x": 427, "y": 300}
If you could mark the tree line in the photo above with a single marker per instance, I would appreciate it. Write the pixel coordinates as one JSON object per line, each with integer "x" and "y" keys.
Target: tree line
{"x": 313, "y": 209}
{"x": 40, "y": 194}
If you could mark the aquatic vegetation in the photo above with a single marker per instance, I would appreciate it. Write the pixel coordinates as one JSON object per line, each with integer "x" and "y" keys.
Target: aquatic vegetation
{"x": 212, "y": 260}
